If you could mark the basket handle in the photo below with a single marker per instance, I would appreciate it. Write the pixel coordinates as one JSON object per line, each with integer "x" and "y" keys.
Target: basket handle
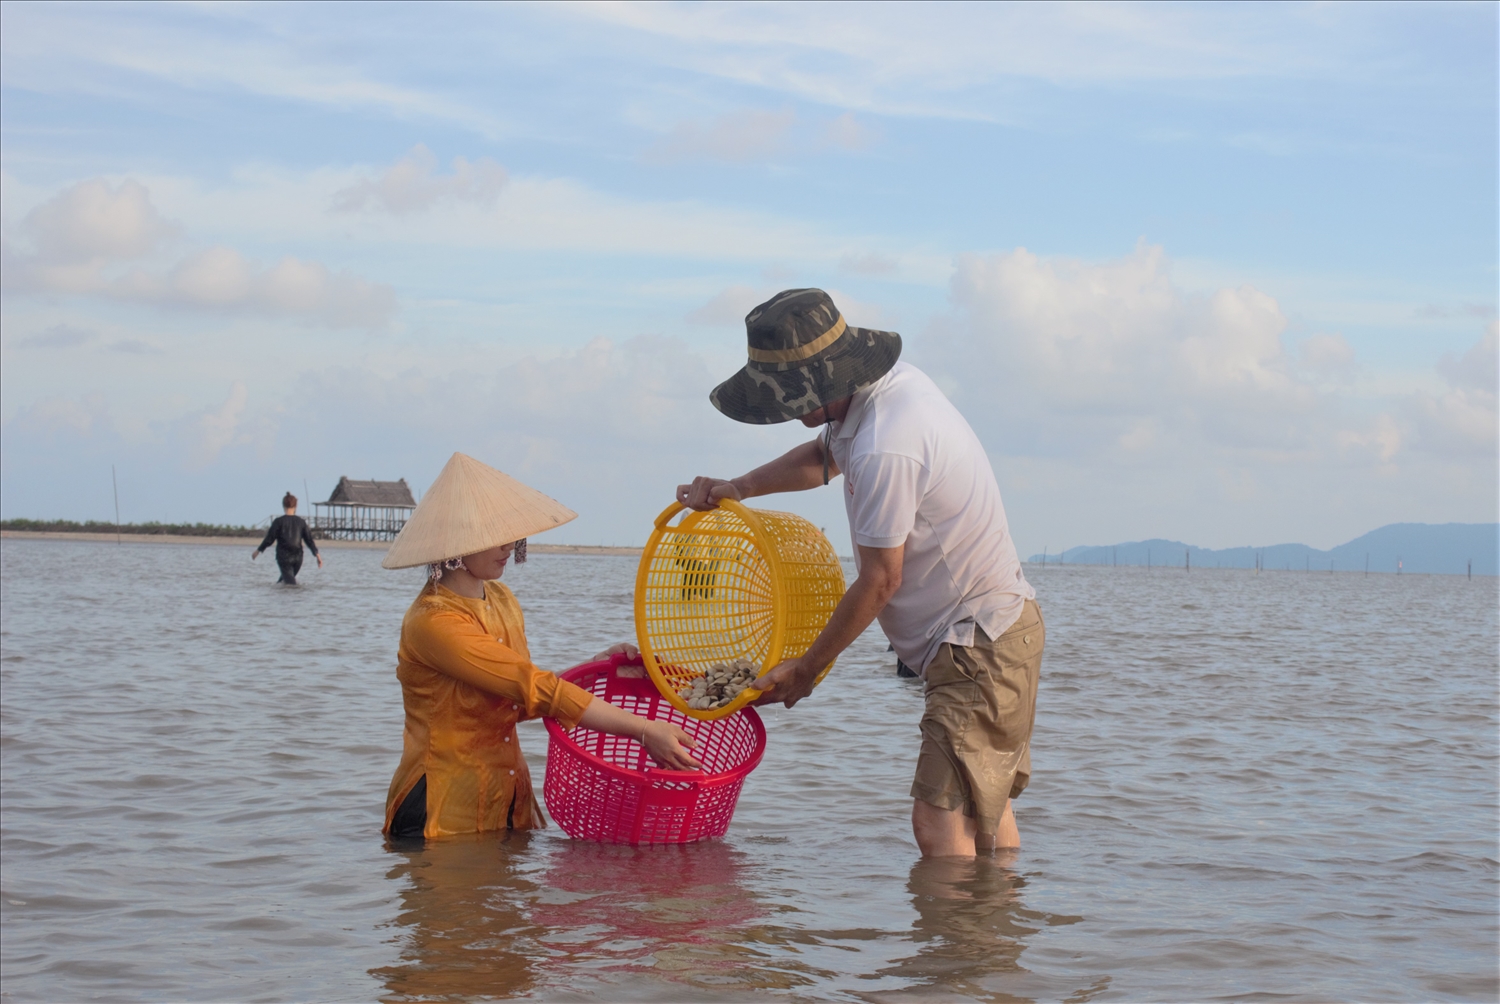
{"x": 668, "y": 513}
{"x": 733, "y": 505}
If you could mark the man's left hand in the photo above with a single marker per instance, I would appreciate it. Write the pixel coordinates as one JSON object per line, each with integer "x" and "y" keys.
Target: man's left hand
{"x": 788, "y": 682}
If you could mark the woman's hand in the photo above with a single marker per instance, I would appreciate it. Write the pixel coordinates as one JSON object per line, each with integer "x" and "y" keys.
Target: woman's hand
{"x": 669, "y": 745}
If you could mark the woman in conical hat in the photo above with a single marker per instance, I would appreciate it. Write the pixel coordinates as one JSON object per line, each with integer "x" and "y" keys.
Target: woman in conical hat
{"x": 465, "y": 669}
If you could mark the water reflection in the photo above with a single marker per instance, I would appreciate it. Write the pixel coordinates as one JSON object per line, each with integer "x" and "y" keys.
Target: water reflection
{"x": 970, "y": 930}
{"x": 463, "y": 900}
{"x": 678, "y": 912}
{"x": 512, "y": 917}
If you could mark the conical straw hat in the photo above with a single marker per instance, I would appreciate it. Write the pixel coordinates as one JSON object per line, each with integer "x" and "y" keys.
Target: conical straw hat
{"x": 472, "y": 507}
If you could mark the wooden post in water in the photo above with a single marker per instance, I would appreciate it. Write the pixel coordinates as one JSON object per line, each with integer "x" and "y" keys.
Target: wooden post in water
{"x": 116, "y": 483}
{"x": 1471, "y": 569}
{"x": 1367, "y": 562}
{"x": 1187, "y": 561}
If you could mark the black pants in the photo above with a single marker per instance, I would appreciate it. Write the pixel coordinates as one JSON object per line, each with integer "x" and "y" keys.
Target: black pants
{"x": 411, "y": 815}
{"x": 290, "y": 563}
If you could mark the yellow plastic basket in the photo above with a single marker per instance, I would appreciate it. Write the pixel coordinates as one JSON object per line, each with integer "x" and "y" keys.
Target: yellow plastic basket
{"x": 731, "y": 583}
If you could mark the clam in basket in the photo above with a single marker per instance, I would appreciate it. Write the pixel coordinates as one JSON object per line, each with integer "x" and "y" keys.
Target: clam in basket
{"x": 731, "y": 585}
{"x": 607, "y": 788}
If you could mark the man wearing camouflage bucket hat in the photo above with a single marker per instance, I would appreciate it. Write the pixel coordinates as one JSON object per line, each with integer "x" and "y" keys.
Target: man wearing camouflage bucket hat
{"x": 936, "y": 561}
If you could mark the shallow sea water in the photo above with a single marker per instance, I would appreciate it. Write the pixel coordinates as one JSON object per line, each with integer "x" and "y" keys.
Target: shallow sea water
{"x": 1247, "y": 787}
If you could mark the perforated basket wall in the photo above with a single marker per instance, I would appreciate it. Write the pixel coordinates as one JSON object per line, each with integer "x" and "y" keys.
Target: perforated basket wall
{"x": 606, "y": 788}
{"x": 731, "y": 583}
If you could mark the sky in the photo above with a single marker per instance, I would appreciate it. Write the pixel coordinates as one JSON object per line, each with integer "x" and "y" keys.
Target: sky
{"x": 1215, "y": 273}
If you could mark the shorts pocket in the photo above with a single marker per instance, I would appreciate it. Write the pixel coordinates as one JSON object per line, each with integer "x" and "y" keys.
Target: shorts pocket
{"x": 950, "y": 668}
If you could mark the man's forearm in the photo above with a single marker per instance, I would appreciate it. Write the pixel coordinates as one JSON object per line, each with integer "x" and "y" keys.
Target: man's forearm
{"x": 855, "y": 612}
{"x": 797, "y": 470}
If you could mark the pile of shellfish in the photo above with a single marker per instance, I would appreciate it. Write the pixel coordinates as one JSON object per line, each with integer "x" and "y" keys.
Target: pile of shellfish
{"x": 719, "y": 686}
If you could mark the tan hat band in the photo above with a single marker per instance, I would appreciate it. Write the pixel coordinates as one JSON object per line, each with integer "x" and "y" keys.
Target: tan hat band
{"x": 800, "y": 352}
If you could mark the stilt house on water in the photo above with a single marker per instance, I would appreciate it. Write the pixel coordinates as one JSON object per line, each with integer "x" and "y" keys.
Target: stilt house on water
{"x": 363, "y": 510}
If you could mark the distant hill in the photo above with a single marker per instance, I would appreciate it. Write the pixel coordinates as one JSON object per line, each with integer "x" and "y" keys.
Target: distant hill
{"x": 1445, "y": 548}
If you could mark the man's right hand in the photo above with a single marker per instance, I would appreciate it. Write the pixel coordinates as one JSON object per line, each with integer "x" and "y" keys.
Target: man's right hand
{"x": 704, "y": 493}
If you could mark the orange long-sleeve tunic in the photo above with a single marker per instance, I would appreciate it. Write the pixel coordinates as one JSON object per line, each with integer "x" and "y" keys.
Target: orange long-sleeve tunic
{"x": 466, "y": 679}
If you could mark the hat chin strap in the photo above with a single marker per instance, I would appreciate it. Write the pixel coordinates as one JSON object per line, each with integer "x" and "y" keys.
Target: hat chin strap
{"x": 827, "y": 443}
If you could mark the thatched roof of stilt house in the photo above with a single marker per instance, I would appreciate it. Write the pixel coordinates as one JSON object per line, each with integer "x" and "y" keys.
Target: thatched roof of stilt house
{"x": 394, "y": 494}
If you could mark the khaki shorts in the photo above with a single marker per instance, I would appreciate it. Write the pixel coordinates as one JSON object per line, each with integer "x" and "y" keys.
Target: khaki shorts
{"x": 976, "y": 731}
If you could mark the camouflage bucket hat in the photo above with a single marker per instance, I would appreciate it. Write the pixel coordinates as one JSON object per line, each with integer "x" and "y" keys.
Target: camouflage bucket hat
{"x": 802, "y": 356}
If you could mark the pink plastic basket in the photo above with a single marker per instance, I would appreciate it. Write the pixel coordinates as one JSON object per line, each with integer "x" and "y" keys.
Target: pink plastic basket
{"x": 607, "y": 788}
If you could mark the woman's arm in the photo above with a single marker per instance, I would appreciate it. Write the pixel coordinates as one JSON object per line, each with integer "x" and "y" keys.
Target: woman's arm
{"x": 456, "y": 645}
{"x": 667, "y": 744}
{"x": 270, "y": 537}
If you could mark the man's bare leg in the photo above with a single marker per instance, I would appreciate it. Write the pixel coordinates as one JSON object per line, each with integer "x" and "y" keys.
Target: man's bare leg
{"x": 948, "y": 833}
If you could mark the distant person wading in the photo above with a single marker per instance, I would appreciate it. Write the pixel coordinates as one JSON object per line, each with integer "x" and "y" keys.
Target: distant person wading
{"x": 289, "y": 532}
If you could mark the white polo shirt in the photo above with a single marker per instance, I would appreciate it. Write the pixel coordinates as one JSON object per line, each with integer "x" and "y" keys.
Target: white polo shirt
{"x": 915, "y": 475}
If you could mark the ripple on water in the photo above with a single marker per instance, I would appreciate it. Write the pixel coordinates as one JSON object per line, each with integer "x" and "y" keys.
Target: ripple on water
{"x": 1245, "y": 787}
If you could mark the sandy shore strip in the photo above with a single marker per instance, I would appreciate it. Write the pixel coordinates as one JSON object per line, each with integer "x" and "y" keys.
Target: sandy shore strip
{"x": 250, "y": 542}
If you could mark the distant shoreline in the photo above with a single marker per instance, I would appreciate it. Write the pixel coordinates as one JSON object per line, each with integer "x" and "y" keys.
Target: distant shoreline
{"x": 357, "y": 545}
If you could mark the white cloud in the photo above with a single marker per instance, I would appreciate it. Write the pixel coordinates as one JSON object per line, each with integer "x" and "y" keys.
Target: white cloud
{"x": 1093, "y": 354}
{"x": 743, "y": 135}
{"x": 1479, "y": 367}
{"x": 869, "y": 263}
{"x": 1377, "y": 441}
{"x": 1464, "y": 421}
{"x": 913, "y": 60}
{"x": 59, "y": 336}
{"x": 848, "y": 132}
{"x": 729, "y": 306}
{"x": 1328, "y": 355}
{"x": 109, "y": 51}
{"x": 136, "y": 347}
{"x": 218, "y": 428}
{"x": 1106, "y": 365}
{"x": 412, "y": 185}
{"x": 82, "y": 416}
{"x": 84, "y": 237}
{"x": 94, "y": 221}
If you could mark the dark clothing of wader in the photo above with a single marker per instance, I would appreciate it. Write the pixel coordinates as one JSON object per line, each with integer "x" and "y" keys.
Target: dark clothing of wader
{"x": 288, "y": 533}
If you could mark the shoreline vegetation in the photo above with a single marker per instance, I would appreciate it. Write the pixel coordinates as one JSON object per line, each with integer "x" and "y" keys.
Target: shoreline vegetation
{"x": 136, "y": 529}
{"x": 210, "y": 533}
